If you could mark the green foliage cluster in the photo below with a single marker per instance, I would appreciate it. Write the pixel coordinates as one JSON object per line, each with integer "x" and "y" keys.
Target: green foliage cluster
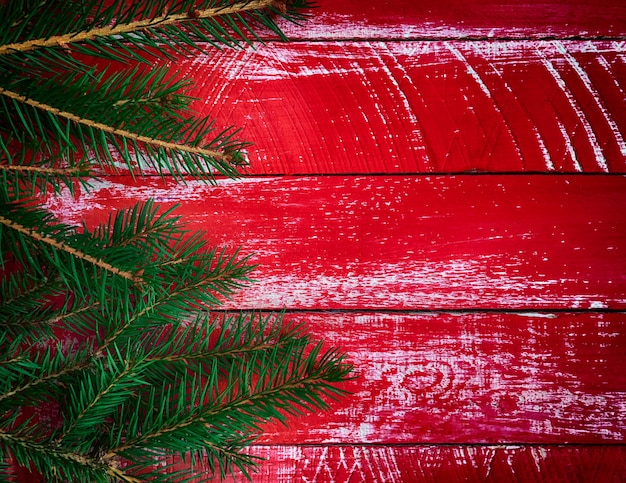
{"x": 114, "y": 333}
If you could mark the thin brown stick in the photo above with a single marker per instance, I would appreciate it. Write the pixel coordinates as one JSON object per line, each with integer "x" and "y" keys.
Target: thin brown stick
{"x": 41, "y": 169}
{"x": 118, "y": 474}
{"x": 43, "y": 448}
{"x": 71, "y": 37}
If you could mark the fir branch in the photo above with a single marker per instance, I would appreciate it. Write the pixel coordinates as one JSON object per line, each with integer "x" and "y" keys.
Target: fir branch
{"x": 219, "y": 354}
{"x": 123, "y": 28}
{"x": 292, "y": 380}
{"x": 76, "y": 363}
{"x": 113, "y": 130}
{"x": 27, "y": 305}
{"x": 234, "y": 337}
{"x": 177, "y": 299}
{"x": 51, "y": 242}
{"x": 57, "y": 462}
{"x": 143, "y": 226}
{"x": 19, "y": 181}
{"x": 30, "y": 327}
{"x": 29, "y": 444}
{"x": 59, "y": 117}
{"x": 79, "y": 320}
{"x": 110, "y": 380}
{"x": 14, "y": 362}
{"x": 26, "y": 290}
{"x": 49, "y": 368}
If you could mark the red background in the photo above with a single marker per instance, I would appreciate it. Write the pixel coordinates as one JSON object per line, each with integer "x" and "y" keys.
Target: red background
{"x": 438, "y": 189}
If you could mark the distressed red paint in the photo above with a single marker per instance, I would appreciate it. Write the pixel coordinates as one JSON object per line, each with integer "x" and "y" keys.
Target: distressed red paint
{"x": 525, "y": 380}
{"x": 347, "y": 19}
{"x": 399, "y": 242}
{"x": 421, "y": 106}
{"x": 452, "y": 464}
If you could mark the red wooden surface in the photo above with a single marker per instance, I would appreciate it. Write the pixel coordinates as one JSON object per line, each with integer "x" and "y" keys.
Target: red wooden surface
{"x": 410, "y": 106}
{"x": 450, "y": 464}
{"x": 405, "y": 242}
{"x": 484, "y": 311}
{"x": 387, "y": 19}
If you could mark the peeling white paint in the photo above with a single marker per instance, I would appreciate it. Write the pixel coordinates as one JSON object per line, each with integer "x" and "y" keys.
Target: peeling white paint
{"x": 582, "y": 117}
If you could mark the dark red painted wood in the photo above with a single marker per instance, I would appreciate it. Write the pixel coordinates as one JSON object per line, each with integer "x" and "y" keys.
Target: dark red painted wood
{"x": 346, "y": 19}
{"x": 408, "y": 107}
{"x": 396, "y": 242}
{"x": 450, "y": 464}
{"x": 472, "y": 378}
{"x": 394, "y": 103}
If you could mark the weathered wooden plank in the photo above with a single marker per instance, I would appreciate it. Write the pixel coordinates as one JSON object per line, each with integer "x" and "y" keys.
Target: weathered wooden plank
{"x": 394, "y": 242}
{"x": 472, "y": 378}
{"x": 424, "y": 463}
{"x": 409, "y": 107}
{"x": 469, "y": 378}
{"x": 416, "y": 464}
{"x": 336, "y": 19}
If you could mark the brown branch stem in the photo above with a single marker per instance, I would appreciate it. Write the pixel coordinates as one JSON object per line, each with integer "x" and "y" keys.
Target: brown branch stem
{"x": 41, "y": 169}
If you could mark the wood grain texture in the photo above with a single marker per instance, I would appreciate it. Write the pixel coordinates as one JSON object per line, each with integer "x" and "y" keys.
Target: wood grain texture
{"x": 348, "y": 19}
{"x": 472, "y": 378}
{"x": 410, "y": 107}
{"x": 395, "y": 242}
{"x": 450, "y": 464}
{"x": 479, "y": 310}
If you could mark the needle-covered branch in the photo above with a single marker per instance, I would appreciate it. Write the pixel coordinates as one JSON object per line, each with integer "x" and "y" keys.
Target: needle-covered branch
{"x": 63, "y": 120}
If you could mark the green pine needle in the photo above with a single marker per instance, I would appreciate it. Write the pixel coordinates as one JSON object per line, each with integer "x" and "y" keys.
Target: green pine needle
{"x": 63, "y": 120}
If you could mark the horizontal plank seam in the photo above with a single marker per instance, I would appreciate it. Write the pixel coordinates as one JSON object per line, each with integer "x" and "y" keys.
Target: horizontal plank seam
{"x": 444, "y": 38}
{"x": 373, "y": 310}
{"x": 462, "y": 38}
{"x": 505, "y": 444}
{"x": 384, "y": 174}
{"x": 440, "y": 173}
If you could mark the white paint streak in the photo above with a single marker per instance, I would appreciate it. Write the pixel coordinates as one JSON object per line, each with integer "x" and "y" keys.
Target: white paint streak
{"x": 469, "y": 68}
{"x": 569, "y": 147}
{"x": 611, "y": 74}
{"x": 394, "y": 468}
{"x": 597, "y": 304}
{"x": 432, "y": 283}
{"x": 580, "y": 114}
{"x": 538, "y": 137}
{"x": 334, "y": 26}
{"x": 595, "y": 94}
{"x": 408, "y": 110}
{"x": 535, "y": 315}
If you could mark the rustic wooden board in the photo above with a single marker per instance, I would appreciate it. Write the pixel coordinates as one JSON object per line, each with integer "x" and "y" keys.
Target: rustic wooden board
{"x": 450, "y": 464}
{"x": 409, "y": 107}
{"x": 394, "y": 87}
{"x": 472, "y": 378}
{"x": 348, "y": 19}
{"x": 396, "y": 242}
